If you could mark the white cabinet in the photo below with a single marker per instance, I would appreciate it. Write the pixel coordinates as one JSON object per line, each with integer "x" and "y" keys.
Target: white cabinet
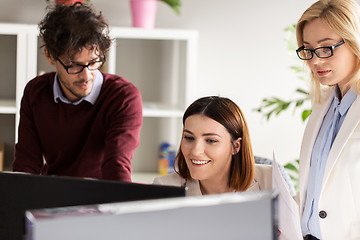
{"x": 15, "y": 40}
{"x": 162, "y": 63}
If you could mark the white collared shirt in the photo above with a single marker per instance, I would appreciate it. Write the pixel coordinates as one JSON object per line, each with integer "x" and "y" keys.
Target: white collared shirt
{"x": 91, "y": 98}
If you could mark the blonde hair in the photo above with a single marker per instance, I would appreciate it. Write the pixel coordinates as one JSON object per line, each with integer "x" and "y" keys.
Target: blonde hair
{"x": 343, "y": 17}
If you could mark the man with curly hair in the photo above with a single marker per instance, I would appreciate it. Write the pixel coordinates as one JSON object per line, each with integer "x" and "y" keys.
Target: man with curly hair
{"x": 78, "y": 121}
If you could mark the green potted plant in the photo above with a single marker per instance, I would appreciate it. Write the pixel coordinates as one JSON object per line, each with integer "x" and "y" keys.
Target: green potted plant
{"x": 273, "y": 106}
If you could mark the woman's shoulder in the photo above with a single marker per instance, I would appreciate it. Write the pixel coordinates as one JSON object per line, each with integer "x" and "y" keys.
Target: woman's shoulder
{"x": 263, "y": 170}
{"x": 263, "y": 176}
{"x": 172, "y": 179}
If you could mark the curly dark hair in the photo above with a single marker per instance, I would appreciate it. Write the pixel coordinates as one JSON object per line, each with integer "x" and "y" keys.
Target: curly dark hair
{"x": 69, "y": 29}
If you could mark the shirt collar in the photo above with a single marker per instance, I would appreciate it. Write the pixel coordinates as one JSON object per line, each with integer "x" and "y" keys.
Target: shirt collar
{"x": 347, "y": 100}
{"x": 91, "y": 98}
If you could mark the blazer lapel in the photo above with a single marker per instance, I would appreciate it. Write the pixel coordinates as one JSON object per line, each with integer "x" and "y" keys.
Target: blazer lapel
{"x": 350, "y": 123}
{"x": 254, "y": 187}
{"x": 193, "y": 188}
{"x": 311, "y": 131}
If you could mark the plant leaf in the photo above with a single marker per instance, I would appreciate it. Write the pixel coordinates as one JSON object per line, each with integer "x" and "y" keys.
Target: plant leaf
{"x": 305, "y": 114}
{"x": 174, "y": 4}
{"x": 291, "y": 167}
{"x": 299, "y": 90}
{"x": 299, "y": 103}
{"x": 297, "y": 69}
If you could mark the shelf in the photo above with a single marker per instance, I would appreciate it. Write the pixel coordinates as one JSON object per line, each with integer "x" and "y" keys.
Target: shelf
{"x": 162, "y": 113}
{"x": 163, "y": 34}
{"x": 13, "y": 28}
{"x": 7, "y": 107}
{"x": 167, "y": 59}
{"x": 160, "y": 110}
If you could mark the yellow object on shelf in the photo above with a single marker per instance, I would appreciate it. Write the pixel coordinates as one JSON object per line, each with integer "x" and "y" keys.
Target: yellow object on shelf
{"x": 163, "y": 166}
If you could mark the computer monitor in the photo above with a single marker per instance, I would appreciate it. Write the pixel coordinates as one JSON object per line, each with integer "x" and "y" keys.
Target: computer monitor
{"x": 240, "y": 215}
{"x": 20, "y": 192}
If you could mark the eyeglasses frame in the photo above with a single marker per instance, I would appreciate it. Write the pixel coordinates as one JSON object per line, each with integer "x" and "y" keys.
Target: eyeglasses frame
{"x": 332, "y": 48}
{"x": 103, "y": 59}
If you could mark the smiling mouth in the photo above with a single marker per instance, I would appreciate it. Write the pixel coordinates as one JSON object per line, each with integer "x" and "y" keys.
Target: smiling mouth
{"x": 200, "y": 162}
{"x": 323, "y": 72}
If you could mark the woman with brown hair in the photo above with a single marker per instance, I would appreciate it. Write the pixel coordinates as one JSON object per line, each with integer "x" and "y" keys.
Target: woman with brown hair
{"x": 215, "y": 154}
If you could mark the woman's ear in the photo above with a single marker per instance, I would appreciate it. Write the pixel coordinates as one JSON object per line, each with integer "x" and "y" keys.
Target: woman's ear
{"x": 236, "y": 146}
{"x": 49, "y": 58}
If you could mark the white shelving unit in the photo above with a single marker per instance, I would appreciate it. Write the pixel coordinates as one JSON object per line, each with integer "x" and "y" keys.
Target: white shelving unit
{"x": 162, "y": 63}
{"x": 7, "y": 106}
{"x": 171, "y": 43}
{"x": 14, "y": 70}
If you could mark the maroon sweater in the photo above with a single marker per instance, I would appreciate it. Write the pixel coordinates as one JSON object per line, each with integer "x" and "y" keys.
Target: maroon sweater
{"x": 85, "y": 140}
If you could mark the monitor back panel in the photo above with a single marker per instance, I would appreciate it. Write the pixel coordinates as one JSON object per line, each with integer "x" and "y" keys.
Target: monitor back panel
{"x": 21, "y": 192}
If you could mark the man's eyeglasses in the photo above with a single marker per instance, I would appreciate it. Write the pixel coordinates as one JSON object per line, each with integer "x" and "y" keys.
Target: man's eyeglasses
{"x": 76, "y": 68}
{"x": 321, "y": 52}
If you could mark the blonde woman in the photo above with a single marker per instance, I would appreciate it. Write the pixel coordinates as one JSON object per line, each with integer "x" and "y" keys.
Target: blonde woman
{"x": 328, "y": 35}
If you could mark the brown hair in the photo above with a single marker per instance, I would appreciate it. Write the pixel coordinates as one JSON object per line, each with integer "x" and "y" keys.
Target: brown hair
{"x": 69, "y": 29}
{"x": 228, "y": 114}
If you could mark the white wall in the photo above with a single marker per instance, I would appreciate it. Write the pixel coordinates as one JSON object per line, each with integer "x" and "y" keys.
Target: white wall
{"x": 242, "y": 55}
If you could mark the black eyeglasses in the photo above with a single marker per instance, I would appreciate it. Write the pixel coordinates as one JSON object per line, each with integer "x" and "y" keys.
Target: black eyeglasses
{"x": 78, "y": 68}
{"x": 321, "y": 52}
